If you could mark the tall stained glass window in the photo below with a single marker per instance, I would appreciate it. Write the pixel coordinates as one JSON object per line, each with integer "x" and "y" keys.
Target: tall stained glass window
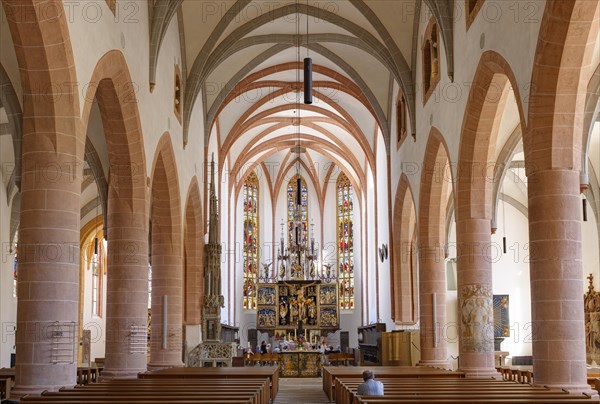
{"x": 292, "y": 220}
{"x": 250, "y": 241}
{"x": 345, "y": 236}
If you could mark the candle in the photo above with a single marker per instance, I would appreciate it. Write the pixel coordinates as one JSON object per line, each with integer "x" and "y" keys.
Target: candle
{"x": 295, "y": 335}
{"x": 305, "y": 339}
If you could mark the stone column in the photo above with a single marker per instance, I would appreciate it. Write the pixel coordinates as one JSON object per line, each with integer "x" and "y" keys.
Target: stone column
{"x": 48, "y": 253}
{"x": 557, "y": 279}
{"x": 165, "y": 349}
{"x": 167, "y": 268}
{"x": 432, "y": 286}
{"x": 127, "y": 285}
{"x": 475, "y": 297}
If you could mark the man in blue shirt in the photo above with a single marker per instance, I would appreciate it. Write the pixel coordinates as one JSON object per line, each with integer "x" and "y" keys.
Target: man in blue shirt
{"x": 370, "y": 387}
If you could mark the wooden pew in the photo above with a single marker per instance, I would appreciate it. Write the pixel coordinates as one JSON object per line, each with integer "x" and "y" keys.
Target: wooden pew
{"x": 153, "y": 391}
{"x": 330, "y": 373}
{"x": 257, "y": 387}
{"x": 346, "y": 388}
{"x": 432, "y": 391}
{"x": 7, "y": 382}
{"x": 483, "y": 400}
{"x": 272, "y": 372}
{"x": 196, "y": 400}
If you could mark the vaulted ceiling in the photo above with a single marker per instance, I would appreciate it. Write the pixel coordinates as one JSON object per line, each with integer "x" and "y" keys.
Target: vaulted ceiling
{"x": 243, "y": 62}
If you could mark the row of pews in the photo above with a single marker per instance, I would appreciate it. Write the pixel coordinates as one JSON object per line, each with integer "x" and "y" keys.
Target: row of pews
{"x": 434, "y": 386}
{"x": 175, "y": 385}
{"x": 85, "y": 375}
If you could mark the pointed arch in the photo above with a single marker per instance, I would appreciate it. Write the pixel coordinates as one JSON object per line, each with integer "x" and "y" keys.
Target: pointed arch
{"x": 404, "y": 268}
{"x": 166, "y": 253}
{"x": 52, "y": 135}
{"x": 12, "y": 106}
{"x": 126, "y": 224}
{"x": 480, "y": 127}
{"x": 561, "y": 72}
{"x": 475, "y": 178}
{"x": 193, "y": 255}
{"x": 436, "y": 189}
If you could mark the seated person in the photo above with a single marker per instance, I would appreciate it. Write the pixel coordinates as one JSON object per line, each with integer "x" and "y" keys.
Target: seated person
{"x": 370, "y": 387}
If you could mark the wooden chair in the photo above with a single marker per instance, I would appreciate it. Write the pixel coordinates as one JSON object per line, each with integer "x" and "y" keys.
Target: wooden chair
{"x": 275, "y": 360}
{"x": 335, "y": 359}
{"x": 348, "y": 359}
{"x": 256, "y": 358}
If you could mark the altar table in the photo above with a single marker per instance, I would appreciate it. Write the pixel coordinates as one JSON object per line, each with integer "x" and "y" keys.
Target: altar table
{"x": 300, "y": 363}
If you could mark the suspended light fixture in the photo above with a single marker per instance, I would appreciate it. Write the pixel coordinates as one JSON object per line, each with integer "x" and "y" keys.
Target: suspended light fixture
{"x": 585, "y": 218}
{"x": 504, "y": 250}
{"x": 96, "y": 238}
{"x": 308, "y": 97}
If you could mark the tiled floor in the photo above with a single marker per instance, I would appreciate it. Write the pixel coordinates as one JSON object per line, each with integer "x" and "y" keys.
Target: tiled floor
{"x": 301, "y": 391}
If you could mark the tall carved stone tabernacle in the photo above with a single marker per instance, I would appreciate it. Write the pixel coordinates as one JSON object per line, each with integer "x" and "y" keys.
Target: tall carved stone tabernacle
{"x": 213, "y": 300}
{"x": 212, "y": 350}
{"x": 591, "y": 301}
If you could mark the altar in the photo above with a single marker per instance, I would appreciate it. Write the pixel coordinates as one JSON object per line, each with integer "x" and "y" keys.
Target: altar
{"x": 287, "y": 306}
{"x": 300, "y": 363}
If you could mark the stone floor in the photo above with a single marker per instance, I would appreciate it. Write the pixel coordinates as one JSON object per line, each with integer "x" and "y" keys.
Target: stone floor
{"x": 301, "y": 391}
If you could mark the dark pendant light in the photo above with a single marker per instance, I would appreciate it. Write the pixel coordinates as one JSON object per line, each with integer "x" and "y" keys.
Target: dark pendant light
{"x": 308, "y": 97}
{"x": 299, "y": 191}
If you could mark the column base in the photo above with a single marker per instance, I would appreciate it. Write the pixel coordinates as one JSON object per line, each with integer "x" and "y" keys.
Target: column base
{"x": 435, "y": 364}
{"x": 572, "y": 389}
{"x": 481, "y": 373}
{"x": 112, "y": 374}
{"x": 164, "y": 365}
{"x": 20, "y": 391}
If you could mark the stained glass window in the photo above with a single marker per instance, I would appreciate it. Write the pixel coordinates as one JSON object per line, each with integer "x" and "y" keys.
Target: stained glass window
{"x": 250, "y": 241}
{"x": 292, "y": 220}
{"x": 345, "y": 236}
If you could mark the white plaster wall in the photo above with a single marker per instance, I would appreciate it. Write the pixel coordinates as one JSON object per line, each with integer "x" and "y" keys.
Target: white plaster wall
{"x": 450, "y": 330}
{"x": 8, "y": 304}
{"x": 96, "y": 324}
{"x": 383, "y": 235}
{"x": 510, "y": 274}
{"x": 350, "y": 320}
{"x": 371, "y": 247}
{"x": 590, "y": 247}
{"x": 227, "y": 251}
